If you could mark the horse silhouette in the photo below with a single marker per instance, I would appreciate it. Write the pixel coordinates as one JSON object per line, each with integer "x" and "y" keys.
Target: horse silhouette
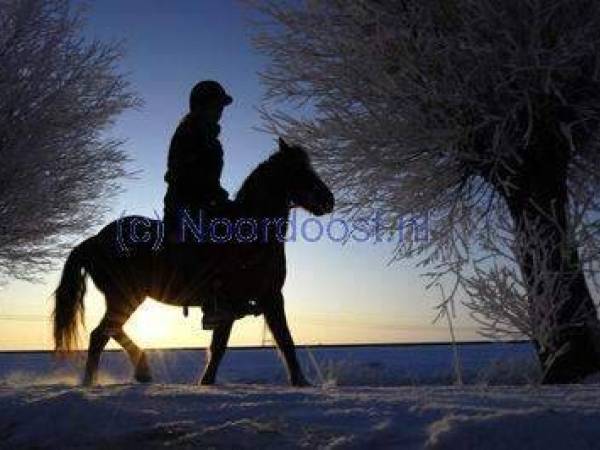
{"x": 127, "y": 270}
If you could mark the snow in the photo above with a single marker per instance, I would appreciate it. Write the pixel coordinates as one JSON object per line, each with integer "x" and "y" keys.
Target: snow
{"x": 347, "y": 366}
{"x": 278, "y": 417}
{"x": 43, "y": 406}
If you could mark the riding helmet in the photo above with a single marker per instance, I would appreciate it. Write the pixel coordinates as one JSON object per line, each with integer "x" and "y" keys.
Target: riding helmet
{"x": 208, "y": 92}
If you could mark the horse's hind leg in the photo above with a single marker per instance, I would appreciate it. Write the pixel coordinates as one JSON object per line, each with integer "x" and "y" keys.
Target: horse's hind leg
{"x": 120, "y": 312}
{"x": 136, "y": 355}
{"x": 98, "y": 340}
{"x": 218, "y": 346}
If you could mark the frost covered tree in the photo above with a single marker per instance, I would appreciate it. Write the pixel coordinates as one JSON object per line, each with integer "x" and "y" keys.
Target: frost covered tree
{"x": 484, "y": 113}
{"x": 58, "y": 95}
{"x": 506, "y": 304}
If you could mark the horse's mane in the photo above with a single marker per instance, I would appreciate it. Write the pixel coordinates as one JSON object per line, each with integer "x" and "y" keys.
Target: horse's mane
{"x": 270, "y": 171}
{"x": 264, "y": 170}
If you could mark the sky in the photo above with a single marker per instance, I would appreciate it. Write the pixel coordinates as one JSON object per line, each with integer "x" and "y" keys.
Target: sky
{"x": 334, "y": 293}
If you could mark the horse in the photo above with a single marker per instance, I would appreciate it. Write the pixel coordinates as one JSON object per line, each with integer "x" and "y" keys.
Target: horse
{"x": 128, "y": 263}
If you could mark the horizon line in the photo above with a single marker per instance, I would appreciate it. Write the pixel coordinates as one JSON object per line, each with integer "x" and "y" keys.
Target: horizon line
{"x": 302, "y": 346}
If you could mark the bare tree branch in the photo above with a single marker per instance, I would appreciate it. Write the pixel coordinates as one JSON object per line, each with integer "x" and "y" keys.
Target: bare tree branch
{"x": 59, "y": 94}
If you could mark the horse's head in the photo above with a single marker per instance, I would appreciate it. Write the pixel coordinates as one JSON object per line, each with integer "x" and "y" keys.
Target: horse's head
{"x": 303, "y": 186}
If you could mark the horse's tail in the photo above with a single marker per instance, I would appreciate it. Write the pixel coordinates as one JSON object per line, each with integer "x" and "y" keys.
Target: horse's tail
{"x": 68, "y": 297}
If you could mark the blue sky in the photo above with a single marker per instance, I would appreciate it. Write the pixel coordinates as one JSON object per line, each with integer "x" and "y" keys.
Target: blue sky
{"x": 334, "y": 292}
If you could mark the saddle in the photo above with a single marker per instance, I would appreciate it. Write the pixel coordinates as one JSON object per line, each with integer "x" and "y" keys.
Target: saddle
{"x": 221, "y": 266}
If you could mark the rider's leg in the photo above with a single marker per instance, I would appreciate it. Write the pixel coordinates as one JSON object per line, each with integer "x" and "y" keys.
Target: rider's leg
{"x": 218, "y": 309}
{"x": 187, "y": 226}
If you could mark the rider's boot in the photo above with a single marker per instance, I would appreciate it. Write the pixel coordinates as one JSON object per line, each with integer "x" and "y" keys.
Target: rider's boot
{"x": 216, "y": 312}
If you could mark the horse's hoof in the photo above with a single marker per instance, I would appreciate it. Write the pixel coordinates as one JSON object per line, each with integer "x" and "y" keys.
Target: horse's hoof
{"x": 301, "y": 383}
{"x": 89, "y": 382}
{"x": 207, "y": 382}
{"x": 142, "y": 370}
{"x": 143, "y": 377}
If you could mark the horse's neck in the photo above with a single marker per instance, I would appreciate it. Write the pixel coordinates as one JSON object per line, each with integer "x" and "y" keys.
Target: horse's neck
{"x": 254, "y": 210}
{"x": 267, "y": 206}
{"x": 265, "y": 199}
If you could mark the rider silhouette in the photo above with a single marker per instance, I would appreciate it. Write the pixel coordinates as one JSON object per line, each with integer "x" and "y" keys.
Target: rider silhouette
{"x": 196, "y": 157}
{"x": 194, "y": 169}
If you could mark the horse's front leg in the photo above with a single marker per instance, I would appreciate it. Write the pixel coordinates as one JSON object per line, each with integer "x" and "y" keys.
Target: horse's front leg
{"x": 218, "y": 345}
{"x": 275, "y": 317}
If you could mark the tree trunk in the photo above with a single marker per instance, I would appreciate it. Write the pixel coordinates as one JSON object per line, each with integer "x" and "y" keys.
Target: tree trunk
{"x": 538, "y": 202}
{"x": 571, "y": 350}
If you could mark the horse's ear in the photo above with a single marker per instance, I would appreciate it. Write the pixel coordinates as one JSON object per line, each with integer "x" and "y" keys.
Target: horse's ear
{"x": 283, "y": 146}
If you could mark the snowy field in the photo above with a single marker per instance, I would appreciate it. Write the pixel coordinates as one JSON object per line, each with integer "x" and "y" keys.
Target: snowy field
{"x": 377, "y": 397}
{"x": 347, "y": 366}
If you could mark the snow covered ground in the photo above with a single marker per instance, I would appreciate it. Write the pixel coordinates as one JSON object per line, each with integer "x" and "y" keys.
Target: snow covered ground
{"x": 259, "y": 416}
{"x": 359, "y": 403}
{"x": 347, "y": 366}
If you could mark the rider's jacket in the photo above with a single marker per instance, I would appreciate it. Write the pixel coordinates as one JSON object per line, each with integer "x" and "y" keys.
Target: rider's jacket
{"x": 195, "y": 164}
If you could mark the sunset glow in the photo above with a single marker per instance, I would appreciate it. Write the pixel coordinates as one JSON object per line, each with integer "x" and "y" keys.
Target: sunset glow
{"x": 334, "y": 292}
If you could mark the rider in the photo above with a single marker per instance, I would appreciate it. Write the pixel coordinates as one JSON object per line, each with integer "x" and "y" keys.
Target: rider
{"x": 194, "y": 170}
